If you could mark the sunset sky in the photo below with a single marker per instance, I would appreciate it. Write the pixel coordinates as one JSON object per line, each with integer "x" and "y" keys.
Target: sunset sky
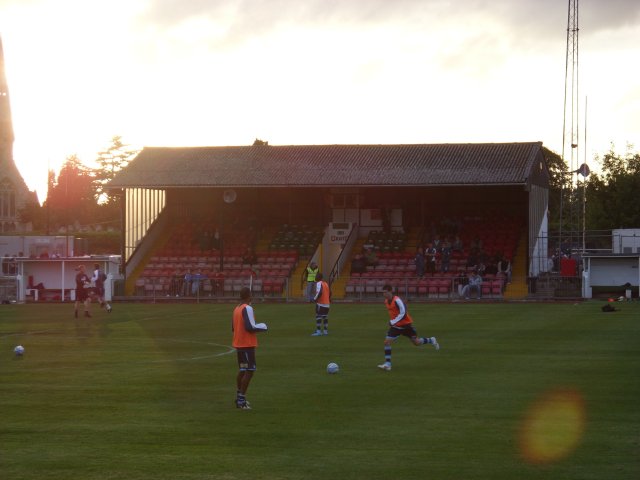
{"x": 225, "y": 72}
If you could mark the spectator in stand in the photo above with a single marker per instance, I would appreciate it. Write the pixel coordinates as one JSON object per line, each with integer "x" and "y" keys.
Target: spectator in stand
{"x": 176, "y": 283}
{"x": 457, "y": 245}
{"x": 551, "y": 262}
{"x": 215, "y": 241}
{"x": 445, "y": 256}
{"x": 556, "y": 261}
{"x": 186, "y": 283}
{"x": 492, "y": 266}
{"x": 474, "y": 285}
{"x": 419, "y": 262}
{"x": 472, "y": 260}
{"x": 249, "y": 257}
{"x": 204, "y": 239}
{"x": 504, "y": 267}
{"x": 358, "y": 264}
{"x": 476, "y": 244}
{"x": 460, "y": 281}
{"x": 196, "y": 281}
{"x": 371, "y": 257}
{"x": 430, "y": 254}
{"x": 437, "y": 243}
{"x": 481, "y": 267}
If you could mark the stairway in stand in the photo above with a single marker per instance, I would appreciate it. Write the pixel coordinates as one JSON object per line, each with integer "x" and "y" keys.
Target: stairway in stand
{"x": 518, "y": 287}
{"x": 130, "y": 284}
{"x": 296, "y": 287}
{"x": 339, "y": 285}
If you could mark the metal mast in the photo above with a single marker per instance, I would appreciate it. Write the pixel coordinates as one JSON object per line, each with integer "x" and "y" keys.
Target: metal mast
{"x": 570, "y": 140}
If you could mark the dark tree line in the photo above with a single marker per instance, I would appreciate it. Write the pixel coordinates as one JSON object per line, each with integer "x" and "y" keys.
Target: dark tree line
{"x": 77, "y": 198}
{"x": 607, "y": 198}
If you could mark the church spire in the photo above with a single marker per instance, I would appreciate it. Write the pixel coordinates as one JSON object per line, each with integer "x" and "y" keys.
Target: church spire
{"x": 6, "y": 125}
{"x": 14, "y": 193}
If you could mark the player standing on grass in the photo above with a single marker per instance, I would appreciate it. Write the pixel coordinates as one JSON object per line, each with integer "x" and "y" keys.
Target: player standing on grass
{"x": 322, "y": 298}
{"x": 400, "y": 324}
{"x": 83, "y": 286}
{"x": 245, "y": 341}
{"x": 98, "y": 280}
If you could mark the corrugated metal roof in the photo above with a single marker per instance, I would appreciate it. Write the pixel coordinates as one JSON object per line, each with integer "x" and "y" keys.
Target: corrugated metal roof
{"x": 331, "y": 165}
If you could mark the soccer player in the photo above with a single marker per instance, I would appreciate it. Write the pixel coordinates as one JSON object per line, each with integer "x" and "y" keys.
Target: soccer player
{"x": 322, "y": 298}
{"x": 98, "y": 279}
{"x": 83, "y": 287}
{"x": 400, "y": 324}
{"x": 245, "y": 341}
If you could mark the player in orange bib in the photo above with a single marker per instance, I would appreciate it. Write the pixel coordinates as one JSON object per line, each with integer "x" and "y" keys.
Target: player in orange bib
{"x": 245, "y": 341}
{"x": 401, "y": 324}
{"x": 322, "y": 297}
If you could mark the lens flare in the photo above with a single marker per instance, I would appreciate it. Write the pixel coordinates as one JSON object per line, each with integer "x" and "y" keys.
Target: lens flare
{"x": 553, "y": 427}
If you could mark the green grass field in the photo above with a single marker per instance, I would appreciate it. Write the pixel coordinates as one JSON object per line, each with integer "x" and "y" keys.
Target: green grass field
{"x": 517, "y": 391}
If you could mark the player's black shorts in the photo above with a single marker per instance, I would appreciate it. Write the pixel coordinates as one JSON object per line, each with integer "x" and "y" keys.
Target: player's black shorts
{"x": 246, "y": 359}
{"x": 322, "y": 311}
{"x": 82, "y": 294}
{"x": 407, "y": 331}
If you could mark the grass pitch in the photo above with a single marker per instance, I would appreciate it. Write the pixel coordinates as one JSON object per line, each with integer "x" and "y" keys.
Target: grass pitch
{"x": 526, "y": 391}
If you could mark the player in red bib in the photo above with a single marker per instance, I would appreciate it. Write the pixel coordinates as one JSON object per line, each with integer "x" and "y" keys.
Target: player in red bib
{"x": 245, "y": 341}
{"x": 401, "y": 324}
{"x": 322, "y": 297}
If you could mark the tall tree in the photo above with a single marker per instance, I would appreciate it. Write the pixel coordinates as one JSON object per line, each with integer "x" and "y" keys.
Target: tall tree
{"x": 612, "y": 196}
{"x": 110, "y": 161}
{"x": 70, "y": 199}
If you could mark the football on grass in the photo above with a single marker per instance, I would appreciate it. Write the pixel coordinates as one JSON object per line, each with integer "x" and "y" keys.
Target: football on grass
{"x": 19, "y": 350}
{"x": 333, "y": 368}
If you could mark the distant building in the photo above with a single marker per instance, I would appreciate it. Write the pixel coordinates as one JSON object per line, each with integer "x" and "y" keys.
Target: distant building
{"x": 14, "y": 193}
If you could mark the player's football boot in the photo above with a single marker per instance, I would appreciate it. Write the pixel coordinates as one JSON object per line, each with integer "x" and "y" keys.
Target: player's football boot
{"x": 385, "y": 366}
{"x": 435, "y": 343}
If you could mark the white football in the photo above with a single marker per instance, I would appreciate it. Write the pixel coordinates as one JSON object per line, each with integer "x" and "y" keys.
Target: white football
{"x": 333, "y": 368}
{"x": 19, "y": 350}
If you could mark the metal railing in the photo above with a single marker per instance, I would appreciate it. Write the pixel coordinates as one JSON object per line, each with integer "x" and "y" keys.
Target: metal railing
{"x": 448, "y": 288}
{"x": 345, "y": 254}
{"x": 8, "y": 289}
{"x": 211, "y": 289}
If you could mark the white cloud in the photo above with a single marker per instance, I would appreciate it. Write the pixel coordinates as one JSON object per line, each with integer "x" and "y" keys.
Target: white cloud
{"x": 213, "y": 72}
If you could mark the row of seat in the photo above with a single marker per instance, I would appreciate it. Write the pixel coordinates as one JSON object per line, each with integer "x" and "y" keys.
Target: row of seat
{"x": 426, "y": 287}
{"x": 262, "y": 257}
{"x": 210, "y": 287}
